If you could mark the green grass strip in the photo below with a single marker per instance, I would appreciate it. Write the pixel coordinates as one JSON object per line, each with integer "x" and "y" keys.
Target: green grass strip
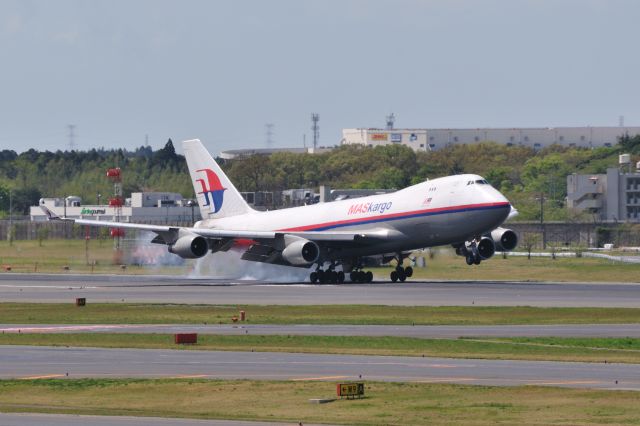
{"x": 584, "y": 350}
{"x": 128, "y": 313}
{"x": 385, "y": 403}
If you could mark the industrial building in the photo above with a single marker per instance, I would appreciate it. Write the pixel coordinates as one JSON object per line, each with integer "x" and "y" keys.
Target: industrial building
{"x": 233, "y": 154}
{"x": 614, "y": 196}
{"x": 434, "y": 139}
{"x": 142, "y": 207}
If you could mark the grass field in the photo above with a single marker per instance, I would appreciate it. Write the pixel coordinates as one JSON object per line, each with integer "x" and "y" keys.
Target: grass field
{"x": 538, "y": 349}
{"x": 128, "y": 313}
{"x": 64, "y": 256}
{"x": 54, "y": 255}
{"x": 384, "y": 404}
{"x": 445, "y": 265}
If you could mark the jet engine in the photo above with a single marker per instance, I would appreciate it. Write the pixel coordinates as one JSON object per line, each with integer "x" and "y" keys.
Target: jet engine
{"x": 190, "y": 246}
{"x": 486, "y": 248}
{"x": 301, "y": 252}
{"x": 476, "y": 250}
{"x": 505, "y": 239}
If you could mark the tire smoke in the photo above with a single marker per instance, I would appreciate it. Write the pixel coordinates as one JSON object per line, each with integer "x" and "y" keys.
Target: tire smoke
{"x": 229, "y": 265}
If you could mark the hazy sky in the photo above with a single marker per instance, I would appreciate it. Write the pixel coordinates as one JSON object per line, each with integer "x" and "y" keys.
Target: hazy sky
{"x": 221, "y": 70}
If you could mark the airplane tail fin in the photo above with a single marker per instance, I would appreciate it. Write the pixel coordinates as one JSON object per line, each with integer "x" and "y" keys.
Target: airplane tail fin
{"x": 217, "y": 197}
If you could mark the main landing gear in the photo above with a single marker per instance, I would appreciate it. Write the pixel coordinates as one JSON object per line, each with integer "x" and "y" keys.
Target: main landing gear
{"x": 338, "y": 277}
{"x": 401, "y": 273}
{"x": 361, "y": 276}
{"x": 327, "y": 277}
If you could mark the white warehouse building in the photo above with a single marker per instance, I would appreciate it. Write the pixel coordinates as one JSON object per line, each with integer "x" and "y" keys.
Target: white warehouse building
{"x": 434, "y": 139}
{"x": 142, "y": 207}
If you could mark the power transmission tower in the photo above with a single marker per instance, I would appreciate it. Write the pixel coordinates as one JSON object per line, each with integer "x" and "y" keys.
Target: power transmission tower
{"x": 269, "y": 134}
{"x": 391, "y": 118}
{"x": 316, "y": 129}
{"x": 71, "y": 135}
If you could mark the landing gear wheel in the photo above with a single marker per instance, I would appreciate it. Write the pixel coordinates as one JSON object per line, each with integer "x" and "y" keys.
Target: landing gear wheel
{"x": 408, "y": 271}
{"x": 313, "y": 277}
{"x": 394, "y": 276}
{"x": 477, "y": 260}
{"x": 340, "y": 277}
{"x": 353, "y": 276}
{"x": 402, "y": 276}
{"x": 333, "y": 277}
{"x": 469, "y": 259}
{"x": 368, "y": 276}
{"x": 322, "y": 277}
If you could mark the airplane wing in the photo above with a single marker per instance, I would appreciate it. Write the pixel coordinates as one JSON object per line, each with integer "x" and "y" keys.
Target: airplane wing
{"x": 169, "y": 234}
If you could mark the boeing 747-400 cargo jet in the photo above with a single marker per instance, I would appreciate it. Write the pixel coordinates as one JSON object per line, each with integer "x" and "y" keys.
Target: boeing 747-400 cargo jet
{"x": 336, "y": 237}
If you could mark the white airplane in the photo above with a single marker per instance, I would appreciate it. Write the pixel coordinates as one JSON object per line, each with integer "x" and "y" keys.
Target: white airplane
{"x": 336, "y": 237}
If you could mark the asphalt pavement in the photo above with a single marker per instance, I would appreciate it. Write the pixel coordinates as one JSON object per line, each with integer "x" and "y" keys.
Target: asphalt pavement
{"x": 163, "y": 289}
{"x": 417, "y": 331}
{"x": 30, "y": 362}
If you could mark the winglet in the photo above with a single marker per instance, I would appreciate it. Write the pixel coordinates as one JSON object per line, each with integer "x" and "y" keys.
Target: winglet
{"x": 50, "y": 215}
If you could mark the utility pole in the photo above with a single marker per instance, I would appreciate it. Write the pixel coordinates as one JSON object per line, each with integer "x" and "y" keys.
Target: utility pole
{"x": 544, "y": 234}
{"x": 10, "y": 217}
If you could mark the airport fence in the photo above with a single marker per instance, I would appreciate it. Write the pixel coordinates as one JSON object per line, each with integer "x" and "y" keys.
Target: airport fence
{"x": 558, "y": 234}
{"x": 30, "y": 230}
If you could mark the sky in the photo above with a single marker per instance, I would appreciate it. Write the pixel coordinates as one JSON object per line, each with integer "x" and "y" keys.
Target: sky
{"x": 127, "y": 71}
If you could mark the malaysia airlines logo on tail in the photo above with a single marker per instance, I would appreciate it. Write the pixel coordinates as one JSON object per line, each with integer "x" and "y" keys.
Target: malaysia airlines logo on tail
{"x": 214, "y": 193}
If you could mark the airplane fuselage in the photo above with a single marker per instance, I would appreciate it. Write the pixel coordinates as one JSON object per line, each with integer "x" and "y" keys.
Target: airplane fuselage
{"x": 440, "y": 211}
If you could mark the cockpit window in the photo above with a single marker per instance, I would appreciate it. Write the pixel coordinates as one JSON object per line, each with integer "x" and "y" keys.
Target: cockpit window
{"x": 482, "y": 182}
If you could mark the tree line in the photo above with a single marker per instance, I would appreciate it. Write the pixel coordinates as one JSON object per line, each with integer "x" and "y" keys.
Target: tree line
{"x": 521, "y": 173}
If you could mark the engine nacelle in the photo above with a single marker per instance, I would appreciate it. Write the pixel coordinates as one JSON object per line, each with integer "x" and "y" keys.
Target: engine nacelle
{"x": 190, "y": 246}
{"x": 301, "y": 252}
{"x": 486, "y": 248}
{"x": 505, "y": 239}
{"x": 481, "y": 249}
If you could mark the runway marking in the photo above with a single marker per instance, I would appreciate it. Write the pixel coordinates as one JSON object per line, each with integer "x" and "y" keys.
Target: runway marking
{"x": 318, "y": 378}
{"x": 66, "y": 328}
{"x": 56, "y": 287}
{"x": 49, "y": 376}
{"x": 449, "y": 379}
{"x": 566, "y": 382}
{"x": 191, "y": 376}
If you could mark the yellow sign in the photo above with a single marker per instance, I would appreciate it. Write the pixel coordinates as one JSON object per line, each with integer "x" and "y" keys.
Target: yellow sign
{"x": 350, "y": 389}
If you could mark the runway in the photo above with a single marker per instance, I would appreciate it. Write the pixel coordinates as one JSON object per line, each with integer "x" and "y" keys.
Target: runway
{"x": 22, "y": 419}
{"x": 162, "y": 289}
{"x": 26, "y": 362}
{"x": 418, "y": 331}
